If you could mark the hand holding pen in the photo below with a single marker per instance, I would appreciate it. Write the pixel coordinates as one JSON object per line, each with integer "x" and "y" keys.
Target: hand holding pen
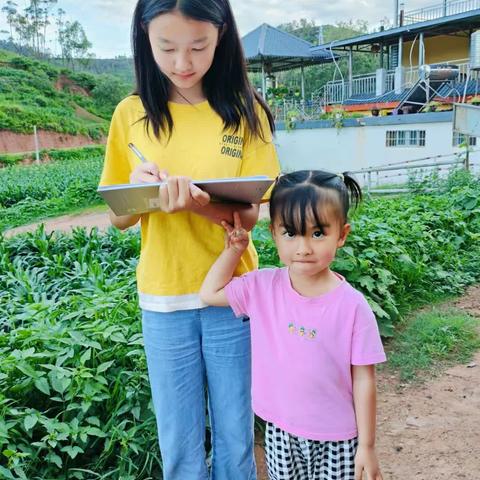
{"x": 176, "y": 193}
{"x": 146, "y": 172}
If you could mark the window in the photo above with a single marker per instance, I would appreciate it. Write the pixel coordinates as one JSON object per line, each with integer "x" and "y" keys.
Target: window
{"x": 459, "y": 139}
{"x": 405, "y": 138}
{"x": 393, "y": 56}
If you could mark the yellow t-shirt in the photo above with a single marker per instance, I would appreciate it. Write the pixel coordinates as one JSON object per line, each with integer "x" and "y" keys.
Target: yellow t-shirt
{"x": 178, "y": 249}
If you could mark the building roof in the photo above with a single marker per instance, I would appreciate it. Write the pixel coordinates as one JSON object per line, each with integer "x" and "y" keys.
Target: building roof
{"x": 279, "y": 50}
{"x": 462, "y": 22}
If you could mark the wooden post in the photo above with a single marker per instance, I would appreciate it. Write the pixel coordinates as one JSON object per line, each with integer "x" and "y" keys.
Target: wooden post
{"x": 467, "y": 153}
{"x": 37, "y": 148}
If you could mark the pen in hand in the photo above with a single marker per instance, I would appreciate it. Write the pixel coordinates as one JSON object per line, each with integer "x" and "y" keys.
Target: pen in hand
{"x": 152, "y": 170}
{"x": 137, "y": 152}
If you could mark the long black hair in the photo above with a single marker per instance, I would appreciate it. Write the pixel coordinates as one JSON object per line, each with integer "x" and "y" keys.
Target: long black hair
{"x": 226, "y": 84}
{"x": 305, "y": 194}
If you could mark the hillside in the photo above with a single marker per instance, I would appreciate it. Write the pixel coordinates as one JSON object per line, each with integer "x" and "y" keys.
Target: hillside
{"x": 120, "y": 67}
{"x": 55, "y": 99}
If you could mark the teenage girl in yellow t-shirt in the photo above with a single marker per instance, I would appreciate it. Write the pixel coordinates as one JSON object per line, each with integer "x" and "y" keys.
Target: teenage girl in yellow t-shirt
{"x": 194, "y": 115}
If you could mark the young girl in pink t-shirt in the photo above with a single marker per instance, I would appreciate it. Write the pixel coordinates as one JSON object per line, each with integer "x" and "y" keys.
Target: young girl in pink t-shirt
{"x": 315, "y": 340}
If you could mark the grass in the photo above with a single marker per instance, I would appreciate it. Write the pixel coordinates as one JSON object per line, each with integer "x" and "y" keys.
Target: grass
{"x": 432, "y": 340}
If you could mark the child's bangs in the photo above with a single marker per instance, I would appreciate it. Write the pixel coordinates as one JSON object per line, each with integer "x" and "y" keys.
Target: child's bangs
{"x": 307, "y": 205}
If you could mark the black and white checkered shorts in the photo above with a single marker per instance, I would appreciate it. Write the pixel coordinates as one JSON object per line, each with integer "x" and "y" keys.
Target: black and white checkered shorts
{"x": 296, "y": 458}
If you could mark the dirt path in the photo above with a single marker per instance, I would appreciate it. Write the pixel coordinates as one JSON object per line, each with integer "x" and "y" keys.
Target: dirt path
{"x": 66, "y": 223}
{"x": 86, "y": 219}
{"x": 426, "y": 432}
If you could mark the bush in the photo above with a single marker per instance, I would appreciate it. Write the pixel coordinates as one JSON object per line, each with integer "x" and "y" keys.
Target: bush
{"x": 30, "y": 97}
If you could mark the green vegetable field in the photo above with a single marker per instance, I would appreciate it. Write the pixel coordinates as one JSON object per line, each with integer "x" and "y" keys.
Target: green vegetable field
{"x": 74, "y": 393}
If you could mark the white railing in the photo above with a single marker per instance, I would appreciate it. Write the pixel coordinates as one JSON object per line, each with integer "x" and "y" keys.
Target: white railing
{"x": 440, "y": 10}
{"x": 338, "y": 91}
{"x": 297, "y": 110}
{"x": 411, "y": 75}
{"x": 399, "y": 173}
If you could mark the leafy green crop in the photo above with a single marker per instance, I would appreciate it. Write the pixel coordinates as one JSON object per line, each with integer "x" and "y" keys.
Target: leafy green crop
{"x": 30, "y": 193}
{"x": 74, "y": 393}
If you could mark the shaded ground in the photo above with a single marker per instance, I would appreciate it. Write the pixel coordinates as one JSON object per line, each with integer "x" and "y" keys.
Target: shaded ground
{"x": 425, "y": 432}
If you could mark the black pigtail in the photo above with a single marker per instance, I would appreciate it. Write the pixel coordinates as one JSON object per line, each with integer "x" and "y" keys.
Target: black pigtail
{"x": 354, "y": 189}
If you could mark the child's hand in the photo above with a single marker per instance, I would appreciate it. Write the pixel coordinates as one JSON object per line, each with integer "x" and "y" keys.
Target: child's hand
{"x": 236, "y": 236}
{"x": 366, "y": 461}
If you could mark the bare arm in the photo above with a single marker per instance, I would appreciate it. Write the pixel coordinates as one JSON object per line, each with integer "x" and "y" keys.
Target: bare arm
{"x": 124, "y": 221}
{"x": 221, "y": 272}
{"x": 365, "y": 401}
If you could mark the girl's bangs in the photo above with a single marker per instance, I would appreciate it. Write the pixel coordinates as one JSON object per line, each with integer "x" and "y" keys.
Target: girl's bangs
{"x": 307, "y": 205}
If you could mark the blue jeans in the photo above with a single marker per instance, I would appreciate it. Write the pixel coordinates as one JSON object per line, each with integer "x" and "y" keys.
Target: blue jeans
{"x": 186, "y": 349}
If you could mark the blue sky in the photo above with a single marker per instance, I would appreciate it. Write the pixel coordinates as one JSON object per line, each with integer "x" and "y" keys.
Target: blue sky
{"x": 107, "y": 22}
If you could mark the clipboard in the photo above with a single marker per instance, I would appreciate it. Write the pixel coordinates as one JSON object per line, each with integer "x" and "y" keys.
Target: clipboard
{"x": 129, "y": 199}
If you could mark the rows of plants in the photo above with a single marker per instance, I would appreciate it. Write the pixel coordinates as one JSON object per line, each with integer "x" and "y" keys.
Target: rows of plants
{"x": 50, "y": 154}
{"x": 74, "y": 395}
{"x": 38, "y": 191}
{"x": 31, "y": 96}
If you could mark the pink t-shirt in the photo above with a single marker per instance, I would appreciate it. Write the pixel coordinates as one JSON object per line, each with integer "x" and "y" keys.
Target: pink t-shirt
{"x": 302, "y": 352}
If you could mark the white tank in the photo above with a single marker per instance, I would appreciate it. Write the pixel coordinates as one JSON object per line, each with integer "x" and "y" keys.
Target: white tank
{"x": 438, "y": 71}
{"x": 475, "y": 51}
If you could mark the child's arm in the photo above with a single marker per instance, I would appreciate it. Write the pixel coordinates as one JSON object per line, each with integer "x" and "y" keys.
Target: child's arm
{"x": 221, "y": 272}
{"x": 364, "y": 397}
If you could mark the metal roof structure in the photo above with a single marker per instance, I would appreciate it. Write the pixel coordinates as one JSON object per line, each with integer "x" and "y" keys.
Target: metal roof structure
{"x": 449, "y": 89}
{"x": 276, "y": 51}
{"x": 447, "y": 25}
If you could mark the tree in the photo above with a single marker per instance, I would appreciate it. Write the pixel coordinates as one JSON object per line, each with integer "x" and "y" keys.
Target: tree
{"x": 33, "y": 20}
{"x": 73, "y": 42}
{"x": 303, "y": 28}
{"x": 317, "y": 76}
{"x": 31, "y": 28}
{"x": 47, "y": 6}
{"x": 10, "y": 10}
{"x": 108, "y": 91}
